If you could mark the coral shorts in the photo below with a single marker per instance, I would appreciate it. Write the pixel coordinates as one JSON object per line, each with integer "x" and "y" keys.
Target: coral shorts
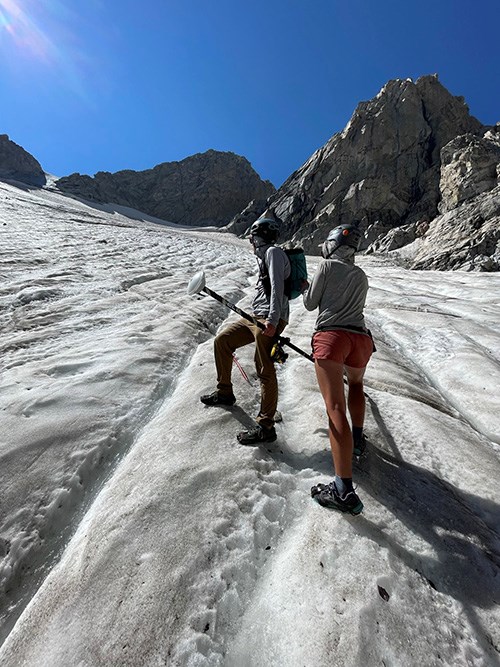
{"x": 344, "y": 347}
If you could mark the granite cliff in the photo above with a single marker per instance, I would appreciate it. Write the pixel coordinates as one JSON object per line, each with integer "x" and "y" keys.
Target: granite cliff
{"x": 466, "y": 232}
{"x": 407, "y": 166}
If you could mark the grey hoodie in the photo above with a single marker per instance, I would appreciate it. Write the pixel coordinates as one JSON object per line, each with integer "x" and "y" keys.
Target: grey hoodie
{"x": 275, "y": 306}
{"x": 339, "y": 289}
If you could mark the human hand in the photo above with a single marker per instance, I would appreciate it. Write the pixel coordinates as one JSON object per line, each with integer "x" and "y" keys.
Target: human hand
{"x": 270, "y": 330}
{"x": 304, "y": 286}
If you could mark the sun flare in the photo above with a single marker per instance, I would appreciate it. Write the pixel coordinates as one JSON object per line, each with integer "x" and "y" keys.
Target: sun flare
{"x": 42, "y": 38}
{"x": 25, "y": 32}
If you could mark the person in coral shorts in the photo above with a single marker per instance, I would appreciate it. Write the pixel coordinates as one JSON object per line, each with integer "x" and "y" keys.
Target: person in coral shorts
{"x": 341, "y": 345}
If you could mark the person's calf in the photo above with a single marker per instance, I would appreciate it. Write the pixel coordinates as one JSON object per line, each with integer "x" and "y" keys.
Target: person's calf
{"x": 359, "y": 441}
{"x": 356, "y": 403}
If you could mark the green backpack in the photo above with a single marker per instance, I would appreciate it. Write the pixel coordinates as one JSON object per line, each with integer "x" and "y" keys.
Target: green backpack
{"x": 298, "y": 273}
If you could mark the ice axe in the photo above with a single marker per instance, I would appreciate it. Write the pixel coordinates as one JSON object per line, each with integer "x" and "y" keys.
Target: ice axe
{"x": 197, "y": 285}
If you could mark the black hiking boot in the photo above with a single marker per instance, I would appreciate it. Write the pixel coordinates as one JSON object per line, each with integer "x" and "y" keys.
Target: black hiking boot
{"x": 359, "y": 448}
{"x": 257, "y": 435}
{"x": 328, "y": 496}
{"x": 218, "y": 399}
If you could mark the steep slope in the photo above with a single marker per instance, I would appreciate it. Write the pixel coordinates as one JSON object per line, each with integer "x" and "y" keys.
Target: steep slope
{"x": 184, "y": 548}
{"x": 94, "y": 304}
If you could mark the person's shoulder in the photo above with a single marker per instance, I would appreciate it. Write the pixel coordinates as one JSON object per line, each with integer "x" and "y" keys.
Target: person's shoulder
{"x": 345, "y": 267}
{"x": 326, "y": 265}
{"x": 330, "y": 264}
{"x": 360, "y": 273}
{"x": 276, "y": 251}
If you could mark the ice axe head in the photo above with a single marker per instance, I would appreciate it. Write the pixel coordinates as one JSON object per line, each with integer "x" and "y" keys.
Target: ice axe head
{"x": 197, "y": 283}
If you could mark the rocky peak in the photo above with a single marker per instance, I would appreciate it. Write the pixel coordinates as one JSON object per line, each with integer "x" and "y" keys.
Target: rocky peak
{"x": 203, "y": 189}
{"x": 447, "y": 116}
{"x": 16, "y": 164}
{"x": 382, "y": 169}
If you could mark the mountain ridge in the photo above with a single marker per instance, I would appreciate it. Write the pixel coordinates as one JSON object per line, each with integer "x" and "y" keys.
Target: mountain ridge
{"x": 407, "y": 167}
{"x": 395, "y": 165}
{"x": 202, "y": 189}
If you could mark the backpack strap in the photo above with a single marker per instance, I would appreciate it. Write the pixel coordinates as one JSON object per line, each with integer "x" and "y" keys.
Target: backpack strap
{"x": 266, "y": 279}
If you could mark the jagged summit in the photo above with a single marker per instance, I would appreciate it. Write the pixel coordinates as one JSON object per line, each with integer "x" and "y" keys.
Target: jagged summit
{"x": 383, "y": 168}
{"x": 386, "y": 168}
{"x": 412, "y": 165}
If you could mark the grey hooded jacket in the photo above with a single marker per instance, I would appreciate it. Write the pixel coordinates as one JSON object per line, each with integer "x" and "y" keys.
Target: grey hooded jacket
{"x": 275, "y": 306}
{"x": 339, "y": 289}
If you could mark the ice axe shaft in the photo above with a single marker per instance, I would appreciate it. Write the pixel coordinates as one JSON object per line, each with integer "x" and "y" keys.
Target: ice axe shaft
{"x": 197, "y": 285}
{"x": 232, "y": 306}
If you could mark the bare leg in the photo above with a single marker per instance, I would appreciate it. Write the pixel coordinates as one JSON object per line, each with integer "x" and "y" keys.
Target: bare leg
{"x": 330, "y": 376}
{"x": 356, "y": 396}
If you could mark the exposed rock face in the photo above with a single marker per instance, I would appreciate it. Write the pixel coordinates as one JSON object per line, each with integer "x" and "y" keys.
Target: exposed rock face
{"x": 466, "y": 238}
{"x": 16, "y": 164}
{"x": 241, "y": 222}
{"x": 383, "y": 169}
{"x": 467, "y": 235}
{"x": 470, "y": 165}
{"x": 412, "y": 165}
{"x": 204, "y": 189}
{"x": 395, "y": 238}
{"x": 410, "y": 154}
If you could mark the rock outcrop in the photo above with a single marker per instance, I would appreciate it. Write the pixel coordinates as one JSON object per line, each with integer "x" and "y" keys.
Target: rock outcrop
{"x": 204, "y": 189}
{"x": 467, "y": 234}
{"x": 466, "y": 238}
{"x": 382, "y": 169}
{"x": 470, "y": 165}
{"x": 419, "y": 173}
{"x": 16, "y": 164}
{"x": 242, "y": 221}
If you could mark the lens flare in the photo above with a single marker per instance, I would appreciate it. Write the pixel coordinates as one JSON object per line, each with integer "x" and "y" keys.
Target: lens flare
{"x": 39, "y": 35}
{"x": 24, "y": 31}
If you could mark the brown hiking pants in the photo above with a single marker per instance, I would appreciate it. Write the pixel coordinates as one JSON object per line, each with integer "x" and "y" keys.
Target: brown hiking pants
{"x": 237, "y": 335}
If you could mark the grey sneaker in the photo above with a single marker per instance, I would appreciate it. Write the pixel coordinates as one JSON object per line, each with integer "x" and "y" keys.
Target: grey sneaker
{"x": 256, "y": 435}
{"x": 327, "y": 495}
{"x": 218, "y": 399}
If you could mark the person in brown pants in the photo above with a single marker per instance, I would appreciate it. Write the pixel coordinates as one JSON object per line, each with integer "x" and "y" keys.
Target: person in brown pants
{"x": 270, "y": 306}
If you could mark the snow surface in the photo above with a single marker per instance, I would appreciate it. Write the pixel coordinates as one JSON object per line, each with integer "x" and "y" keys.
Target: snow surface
{"x": 135, "y": 530}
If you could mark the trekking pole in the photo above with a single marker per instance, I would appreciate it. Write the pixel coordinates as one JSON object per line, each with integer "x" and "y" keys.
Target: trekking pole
{"x": 197, "y": 285}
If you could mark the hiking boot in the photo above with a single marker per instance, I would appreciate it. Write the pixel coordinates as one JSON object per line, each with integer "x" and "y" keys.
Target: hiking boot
{"x": 218, "y": 399}
{"x": 327, "y": 495}
{"x": 359, "y": 447}
{"x": 257, "y": 435}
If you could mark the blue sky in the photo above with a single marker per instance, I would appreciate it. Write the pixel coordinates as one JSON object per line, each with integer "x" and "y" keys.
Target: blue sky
{"x": 104, "y": 85}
